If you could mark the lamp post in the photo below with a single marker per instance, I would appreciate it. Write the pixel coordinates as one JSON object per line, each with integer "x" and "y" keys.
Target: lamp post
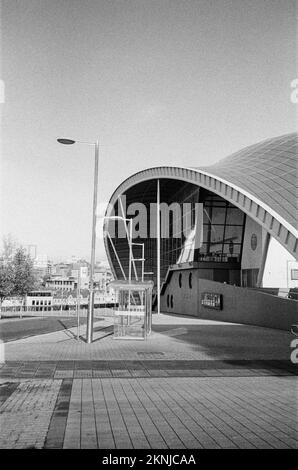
{"x": 93, "y": 240}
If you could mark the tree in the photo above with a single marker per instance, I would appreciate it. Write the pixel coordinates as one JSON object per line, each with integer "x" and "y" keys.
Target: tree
{"x": 6, "y": 281}
{"x": 23, "y": 274}
{"x": 16, "y": 271}
{"x": 45, "y": 278}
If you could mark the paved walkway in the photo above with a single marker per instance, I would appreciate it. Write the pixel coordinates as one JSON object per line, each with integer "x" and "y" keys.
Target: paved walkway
{"x": 193, "y": 384}
{"x": 173, "y": 337}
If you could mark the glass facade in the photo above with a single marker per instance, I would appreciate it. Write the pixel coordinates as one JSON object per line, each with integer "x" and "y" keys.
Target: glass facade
{"x": 220, "y": 239}
{"x": 214, "y": 233}
{"x": 180, "y": 246}
{"x": 223, "y": 230}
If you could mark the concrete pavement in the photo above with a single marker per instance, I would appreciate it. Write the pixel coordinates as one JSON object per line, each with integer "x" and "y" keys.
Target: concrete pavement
{"x": 192, "y": 384}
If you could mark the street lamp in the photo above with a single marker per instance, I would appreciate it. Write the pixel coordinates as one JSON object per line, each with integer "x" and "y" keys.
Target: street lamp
{"x": 93, "y": 241}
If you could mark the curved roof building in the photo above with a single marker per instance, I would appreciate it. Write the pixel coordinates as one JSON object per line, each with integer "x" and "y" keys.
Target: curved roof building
{"x": 241, "y": 215}
{"x": 261, "y": 180}
{"x": 268, "y": 172}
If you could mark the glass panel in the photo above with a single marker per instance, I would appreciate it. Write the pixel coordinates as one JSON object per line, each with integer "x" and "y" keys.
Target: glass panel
{"x": 218, "y": 215}
{"x": 207, "y": 216}
{"x": 231, "y": 249}
{"x": 234, "y": 216}
{"x": 206, "y": 229}
{"x": 233, "y": 233}
{"x": 203, "y": 248}
{"x": 216, "y": 235}
{"x": 214, "y": 203}
{"x": 214, "y": 200}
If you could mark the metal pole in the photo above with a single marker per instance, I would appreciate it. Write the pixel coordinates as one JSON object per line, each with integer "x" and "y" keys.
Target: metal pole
{"x": 117, "y": 257}
{"x": 78, "y": 303}
{"x": 143, "y": 261}
{"x": 130, "y": 250}
{"x": 158, "y": 244}
{"x": 91, "y": 295}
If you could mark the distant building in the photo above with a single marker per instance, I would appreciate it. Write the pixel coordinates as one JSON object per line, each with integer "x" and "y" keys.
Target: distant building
{"x": 73, "y": 260}
{"x": 42, "y": 266}
{"x": 61, "y": 283}
{"x": 40, "y": 299}
{"x": 102, "y": 278}
{"x": 83, "y": 270}
{"x": 41, "y": 261}
{"x": 61, "y": 269}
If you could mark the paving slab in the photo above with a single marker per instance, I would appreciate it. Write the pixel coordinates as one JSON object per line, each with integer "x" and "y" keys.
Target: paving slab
{"x": 193, "y": 384}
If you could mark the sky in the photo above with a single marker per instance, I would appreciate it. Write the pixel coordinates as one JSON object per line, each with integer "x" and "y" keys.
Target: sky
{"x": 158, "y": 82}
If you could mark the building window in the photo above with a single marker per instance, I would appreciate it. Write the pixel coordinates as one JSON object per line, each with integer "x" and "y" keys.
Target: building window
{"x": 190, "y": 280}
{"x": 172, "y": 303}
{"x": 294, "y": 274}
{"x": 168, "y": 300}
{"x": 180, "y": 280}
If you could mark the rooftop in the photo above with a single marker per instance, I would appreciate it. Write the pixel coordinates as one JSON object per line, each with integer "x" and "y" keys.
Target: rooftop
{"x": 268, "y": 171}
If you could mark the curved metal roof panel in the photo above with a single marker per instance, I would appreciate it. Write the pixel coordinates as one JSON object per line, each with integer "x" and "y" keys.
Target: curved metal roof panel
{"x": 268, "y": 171}
{"x": 261, "y": 180}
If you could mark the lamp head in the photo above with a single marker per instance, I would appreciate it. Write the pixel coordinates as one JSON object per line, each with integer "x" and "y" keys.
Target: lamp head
{"x": 66, "y": 141}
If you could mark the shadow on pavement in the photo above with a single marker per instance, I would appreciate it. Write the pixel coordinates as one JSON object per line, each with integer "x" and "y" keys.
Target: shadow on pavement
{"x": 234, "y": 341}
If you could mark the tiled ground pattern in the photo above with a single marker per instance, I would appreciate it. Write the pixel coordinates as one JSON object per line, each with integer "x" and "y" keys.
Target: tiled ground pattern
{"x": 162, "y": 412}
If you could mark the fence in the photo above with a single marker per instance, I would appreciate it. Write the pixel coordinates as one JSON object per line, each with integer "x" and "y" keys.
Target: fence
{"x": 54, "y": 311}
